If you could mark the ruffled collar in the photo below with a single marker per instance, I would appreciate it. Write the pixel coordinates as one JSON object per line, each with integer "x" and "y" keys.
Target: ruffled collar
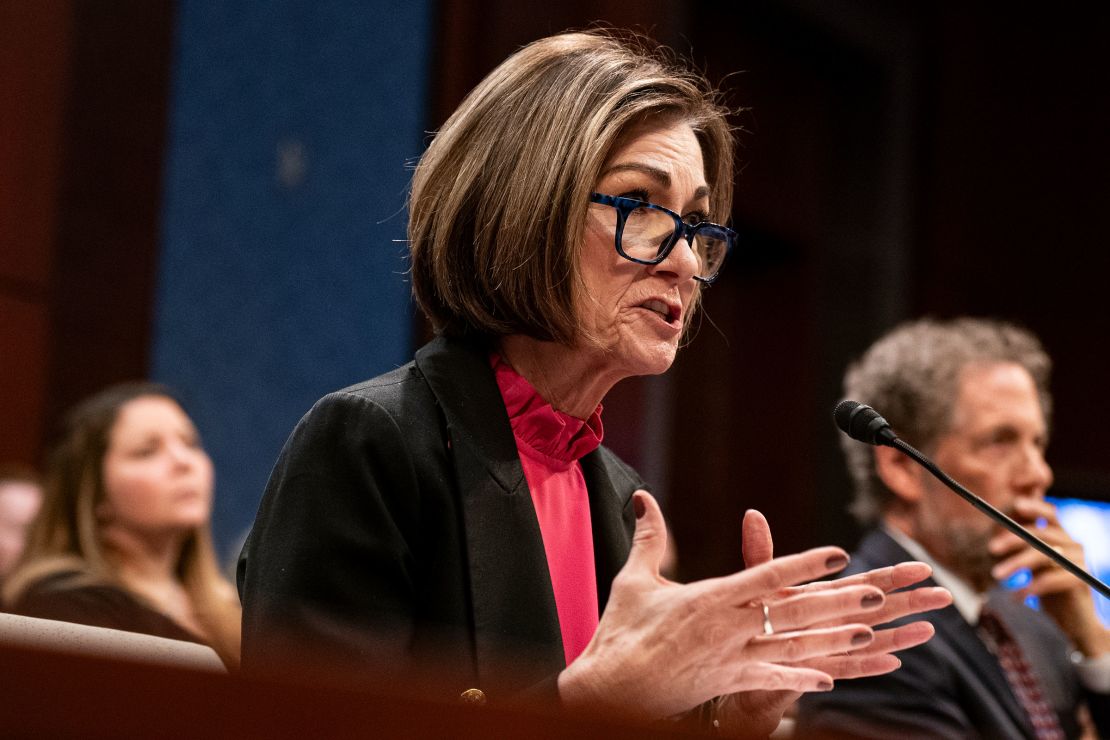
{"x": 535, "y": 422}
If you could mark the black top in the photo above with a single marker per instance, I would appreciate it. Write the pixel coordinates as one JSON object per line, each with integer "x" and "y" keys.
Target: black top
{"x": 68, "y": 597}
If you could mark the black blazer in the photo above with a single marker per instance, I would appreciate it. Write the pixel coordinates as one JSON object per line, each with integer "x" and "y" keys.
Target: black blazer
{"x": 952, "y": 686}
{"x": 397, "y": 533}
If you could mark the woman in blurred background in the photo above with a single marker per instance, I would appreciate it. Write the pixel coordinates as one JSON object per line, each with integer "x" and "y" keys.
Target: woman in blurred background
{"x": 458, "y": 514}
{"x": 122, "y": 538}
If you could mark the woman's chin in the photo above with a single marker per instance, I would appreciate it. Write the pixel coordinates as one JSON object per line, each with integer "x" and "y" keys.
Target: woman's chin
{"x": 184, "y": 522}
{"x": 653, "y": 360}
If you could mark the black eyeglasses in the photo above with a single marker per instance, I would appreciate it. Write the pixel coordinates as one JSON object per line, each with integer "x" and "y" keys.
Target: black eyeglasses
{"x": 646, "y": 233}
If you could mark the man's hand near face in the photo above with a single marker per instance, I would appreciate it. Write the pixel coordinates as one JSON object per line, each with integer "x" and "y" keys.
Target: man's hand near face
{"x": 1063, "y": 596}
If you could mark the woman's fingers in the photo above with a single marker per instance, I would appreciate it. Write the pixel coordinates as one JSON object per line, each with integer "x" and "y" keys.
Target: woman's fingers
{"x": 756, "y": 543}
{"x": 893, "y": 639}
{"x": 898, "y": 604}
{"x": 649, "y": 541}
{"x": 902, "y": 604}
{"x": 764, "y": 581}
{"x": 855, "y": 666}
{"x": 824, "y": 608}
{"x": 793, "y": 647}
{"x": 890, "y": 578}
{"x": 875, "y": 659}
{"x": 775, "y": 677}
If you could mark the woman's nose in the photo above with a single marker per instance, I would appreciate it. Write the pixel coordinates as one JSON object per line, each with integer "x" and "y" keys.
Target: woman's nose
{"x": 681, "y": 261}
{"x": 182, "y": 455}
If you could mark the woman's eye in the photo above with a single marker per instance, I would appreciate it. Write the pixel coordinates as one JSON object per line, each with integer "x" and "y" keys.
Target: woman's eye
{"x": 640, "y": 195}
{"x": 696, "y": 217}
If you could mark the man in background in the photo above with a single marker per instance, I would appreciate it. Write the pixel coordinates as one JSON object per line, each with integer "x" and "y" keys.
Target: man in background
{"x": 973, "y": 395}
{"x": 20, "y": 498}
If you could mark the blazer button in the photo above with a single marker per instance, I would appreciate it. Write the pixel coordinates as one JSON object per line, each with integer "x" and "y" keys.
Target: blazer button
{"x": 475, "y": 697}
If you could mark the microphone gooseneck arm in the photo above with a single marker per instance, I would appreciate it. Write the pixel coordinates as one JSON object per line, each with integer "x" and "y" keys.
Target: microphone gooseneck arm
{"x": 864, "y": 424}
{"x": 1001, "y": 518}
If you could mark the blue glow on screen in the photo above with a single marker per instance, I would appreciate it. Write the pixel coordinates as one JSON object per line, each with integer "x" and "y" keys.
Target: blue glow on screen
{"x": 1019, "y": 580}
{"x": 1089, "y": 523}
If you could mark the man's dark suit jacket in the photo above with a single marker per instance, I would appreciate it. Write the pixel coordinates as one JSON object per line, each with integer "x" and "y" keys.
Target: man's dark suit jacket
{"x": 952, "y": 686}
{"x": 397, "y": 534}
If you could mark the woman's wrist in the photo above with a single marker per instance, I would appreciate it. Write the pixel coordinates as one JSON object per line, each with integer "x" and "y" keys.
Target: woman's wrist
{"x": 575, "y": 687}
{"x": 582, "y": 687}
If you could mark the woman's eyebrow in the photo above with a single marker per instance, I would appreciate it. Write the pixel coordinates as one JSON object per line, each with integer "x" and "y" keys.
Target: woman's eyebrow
{"x": 660, "y": 176}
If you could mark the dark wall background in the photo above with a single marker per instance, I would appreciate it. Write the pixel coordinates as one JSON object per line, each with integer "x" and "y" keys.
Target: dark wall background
{"x": 896, "y": 160}
{"x": 902, "y": 160}
{"x": 84, "y": 86}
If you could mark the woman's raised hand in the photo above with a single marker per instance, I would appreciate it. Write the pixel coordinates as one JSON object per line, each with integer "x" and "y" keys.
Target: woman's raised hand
{"x": 662, "y": 648}
{"x": 765, "y": 708}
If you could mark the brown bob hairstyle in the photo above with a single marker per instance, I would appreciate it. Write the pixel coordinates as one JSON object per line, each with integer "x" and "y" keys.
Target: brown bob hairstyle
{"x": 499, "y": 200}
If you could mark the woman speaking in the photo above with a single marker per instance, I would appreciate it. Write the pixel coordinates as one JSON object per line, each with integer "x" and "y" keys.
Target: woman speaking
{"x": 458, "y": 516}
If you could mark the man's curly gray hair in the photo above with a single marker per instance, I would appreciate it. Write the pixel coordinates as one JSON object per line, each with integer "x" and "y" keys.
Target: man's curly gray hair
{"x": 911, "y": 376}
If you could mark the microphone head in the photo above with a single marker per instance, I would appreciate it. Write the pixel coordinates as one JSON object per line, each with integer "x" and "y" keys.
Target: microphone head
{"x": 863, "y": 423}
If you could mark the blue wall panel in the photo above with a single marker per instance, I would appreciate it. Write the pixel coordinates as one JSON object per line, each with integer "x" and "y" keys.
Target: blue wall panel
{"x": 293, "y": 128}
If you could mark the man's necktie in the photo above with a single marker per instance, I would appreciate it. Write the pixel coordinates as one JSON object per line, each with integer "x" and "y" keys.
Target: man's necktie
{"x": 1022, "y": 680}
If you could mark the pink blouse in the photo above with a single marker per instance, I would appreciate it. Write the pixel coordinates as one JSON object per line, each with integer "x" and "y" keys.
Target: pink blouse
{"x": 550, "y": 444}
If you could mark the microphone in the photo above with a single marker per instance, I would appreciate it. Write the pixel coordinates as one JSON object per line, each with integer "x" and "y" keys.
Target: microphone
{"x": 864, "y": 424}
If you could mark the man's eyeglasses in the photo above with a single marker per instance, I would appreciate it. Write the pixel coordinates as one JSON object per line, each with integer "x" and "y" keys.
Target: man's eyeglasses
{"x": 646, "y": 233}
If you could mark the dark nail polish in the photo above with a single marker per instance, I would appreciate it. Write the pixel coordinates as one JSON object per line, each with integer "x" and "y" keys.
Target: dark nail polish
{"x": 871, "y": 600}
{"x": 860, "y": 639}
{"x": 638, "y": 506}
{"x": 836, "y": 562}
{"x": 825, "y": 686}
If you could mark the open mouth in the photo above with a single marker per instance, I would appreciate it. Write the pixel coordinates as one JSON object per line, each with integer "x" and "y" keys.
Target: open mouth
{"x": 664, "y": 311}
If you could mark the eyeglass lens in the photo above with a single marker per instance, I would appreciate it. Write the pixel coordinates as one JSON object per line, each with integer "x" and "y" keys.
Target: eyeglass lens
{"x": 648, "y": 231}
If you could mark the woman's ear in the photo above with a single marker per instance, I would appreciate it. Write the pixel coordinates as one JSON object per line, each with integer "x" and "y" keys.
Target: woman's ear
{"x": 900, "y": 474}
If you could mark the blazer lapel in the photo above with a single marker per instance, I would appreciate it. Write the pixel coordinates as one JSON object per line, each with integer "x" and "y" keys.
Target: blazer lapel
{"x": 516, "y": 624}
{"x": 983, "y": 664}
{"x": 611, "y": 518}
{"x": 976, "y": 662}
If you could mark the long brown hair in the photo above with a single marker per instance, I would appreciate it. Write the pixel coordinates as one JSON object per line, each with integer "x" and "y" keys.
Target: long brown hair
{"x": 65, "y": 536}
